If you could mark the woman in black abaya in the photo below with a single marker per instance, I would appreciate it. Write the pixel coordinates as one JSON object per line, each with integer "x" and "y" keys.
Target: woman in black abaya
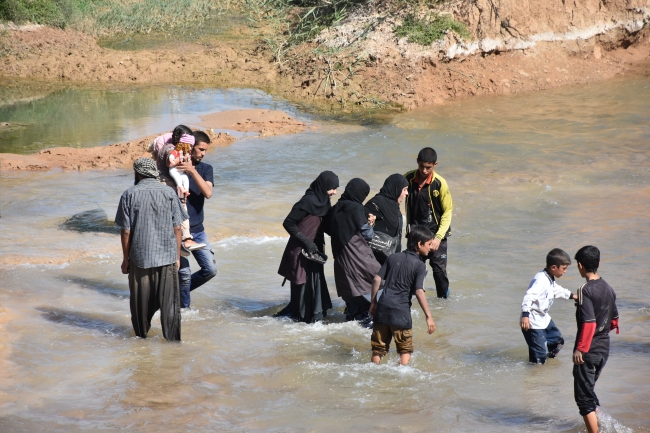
{"x": 355, "y": 265}
{"x": 385, "y": 207}
{"x": 310, "y": 299}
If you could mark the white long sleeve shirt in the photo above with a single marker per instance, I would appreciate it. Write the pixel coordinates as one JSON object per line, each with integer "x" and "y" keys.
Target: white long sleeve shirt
{"x": 539, "y": 298}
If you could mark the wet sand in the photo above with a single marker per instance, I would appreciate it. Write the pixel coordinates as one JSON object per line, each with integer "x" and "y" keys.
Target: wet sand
{"x": 265, "y": 122}
{"x": 120, "y": 155}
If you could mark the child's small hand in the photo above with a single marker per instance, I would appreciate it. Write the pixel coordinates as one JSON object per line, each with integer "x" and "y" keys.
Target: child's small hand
{"x": 525, "y": 323}
{"x": 371, "y": 220}
{"x": 431, "y": 325}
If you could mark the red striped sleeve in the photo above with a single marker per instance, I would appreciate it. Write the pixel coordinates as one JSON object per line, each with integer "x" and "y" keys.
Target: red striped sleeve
{"x": 587, "y": 332}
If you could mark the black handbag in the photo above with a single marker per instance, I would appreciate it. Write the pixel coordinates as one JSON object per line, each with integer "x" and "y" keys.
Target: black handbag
{"x": 383, "y": 245}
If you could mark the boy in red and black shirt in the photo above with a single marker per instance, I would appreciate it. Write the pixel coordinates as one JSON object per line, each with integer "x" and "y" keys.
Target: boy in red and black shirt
{"x": 596, "y": 315}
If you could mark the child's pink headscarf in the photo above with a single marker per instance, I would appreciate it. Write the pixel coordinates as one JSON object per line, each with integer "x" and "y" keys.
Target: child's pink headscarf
{"x": 188, "y": 139}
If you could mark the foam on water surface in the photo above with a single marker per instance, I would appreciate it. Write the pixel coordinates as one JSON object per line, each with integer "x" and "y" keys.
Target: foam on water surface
{"x": 527, "y": 173}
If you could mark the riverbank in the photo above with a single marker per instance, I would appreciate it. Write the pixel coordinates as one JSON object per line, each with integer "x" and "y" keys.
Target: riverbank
{"x": 341, "y": 70}
{"x": 263, "y": 122}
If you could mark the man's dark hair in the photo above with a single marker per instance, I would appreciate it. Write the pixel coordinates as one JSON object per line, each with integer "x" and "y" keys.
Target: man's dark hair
{"x": 201, "y": 137}
{"x": 428, "y": 155}
{"x": 557, "y": 257}
{"x": 178, "y": 132}
{"x": 418, "y": 235}
{"x": 589, "y": 257}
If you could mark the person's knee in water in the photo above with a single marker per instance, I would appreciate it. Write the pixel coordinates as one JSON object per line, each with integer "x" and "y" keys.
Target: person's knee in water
{"x": 404, "y": 275}
{"x": 542, "y": 336}
{"x": 151, "y": 237}
{"x": 310, "y": 298}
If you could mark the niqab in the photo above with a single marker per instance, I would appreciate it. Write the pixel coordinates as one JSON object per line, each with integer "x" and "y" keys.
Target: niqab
{"x": 386, "y": 200}
{"x": 316, "y": 201}
{"x": 348, "y": 215}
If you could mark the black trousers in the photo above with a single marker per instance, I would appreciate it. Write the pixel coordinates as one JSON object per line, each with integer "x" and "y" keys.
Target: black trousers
{"x": 438, "y": 262}
{"x": 584, "y": 381}
{"x": 356, "y": 308}
{"x": 151, "y": 290}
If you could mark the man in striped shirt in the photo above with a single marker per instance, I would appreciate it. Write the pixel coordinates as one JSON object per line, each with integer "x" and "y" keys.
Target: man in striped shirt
{"x": 150, "y": 216}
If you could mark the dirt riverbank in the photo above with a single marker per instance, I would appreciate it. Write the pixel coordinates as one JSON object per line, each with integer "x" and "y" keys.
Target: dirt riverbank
{"x": 515, "y": 47}
{"x": 120, "y": 155}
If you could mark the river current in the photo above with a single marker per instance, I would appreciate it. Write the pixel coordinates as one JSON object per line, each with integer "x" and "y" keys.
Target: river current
{"x": 527, "y": 173}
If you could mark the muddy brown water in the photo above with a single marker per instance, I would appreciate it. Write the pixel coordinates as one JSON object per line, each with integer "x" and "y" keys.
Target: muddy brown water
{"x": 528, "y": 173}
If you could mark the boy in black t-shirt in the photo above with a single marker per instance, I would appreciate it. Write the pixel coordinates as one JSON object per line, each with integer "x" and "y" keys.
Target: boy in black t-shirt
{"x": 404, "y": 275}
{"x": 596, "y": 315}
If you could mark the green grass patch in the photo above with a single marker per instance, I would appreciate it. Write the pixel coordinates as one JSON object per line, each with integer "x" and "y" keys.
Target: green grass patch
{"x": 424, "y": 31}
{"x": 109, "y": 17}
{"x": 295, "y": 21}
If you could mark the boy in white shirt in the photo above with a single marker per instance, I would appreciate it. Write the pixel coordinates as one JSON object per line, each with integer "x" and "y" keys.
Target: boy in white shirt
{"x": 539, "y": 330}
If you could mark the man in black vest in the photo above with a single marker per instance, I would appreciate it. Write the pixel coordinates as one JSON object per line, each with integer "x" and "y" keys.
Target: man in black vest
{"x": 429, "y": 204}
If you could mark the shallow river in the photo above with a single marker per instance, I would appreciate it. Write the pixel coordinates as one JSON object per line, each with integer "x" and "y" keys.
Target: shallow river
{"x": 527, "y": 173}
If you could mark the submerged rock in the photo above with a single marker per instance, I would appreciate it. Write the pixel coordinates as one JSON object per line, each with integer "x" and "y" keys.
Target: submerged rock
{"x": 93, "y": 221}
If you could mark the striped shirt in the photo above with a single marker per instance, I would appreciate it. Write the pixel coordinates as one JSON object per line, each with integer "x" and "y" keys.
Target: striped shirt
{"x": 151, "y": 210}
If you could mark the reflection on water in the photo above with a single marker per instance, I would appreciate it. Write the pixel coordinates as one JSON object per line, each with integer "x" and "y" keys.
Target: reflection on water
{"x": 527, "y": 173}
{"x": 217, "y": 28}
{"x": 87, "y": 117}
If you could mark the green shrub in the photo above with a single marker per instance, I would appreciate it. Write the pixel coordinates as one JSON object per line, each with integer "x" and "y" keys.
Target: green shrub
{"x": 106, "y": 17}
{"x": 425, "y": 31}
{"x": 49, "y": 12}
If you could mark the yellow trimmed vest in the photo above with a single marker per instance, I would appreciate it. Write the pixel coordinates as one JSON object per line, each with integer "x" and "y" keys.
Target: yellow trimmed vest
{"x": 430, "y": 207}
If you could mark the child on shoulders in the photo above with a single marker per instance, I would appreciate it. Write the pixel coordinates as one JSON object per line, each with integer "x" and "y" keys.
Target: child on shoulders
{"x": 404, "y": 275}
{"x": 536, "y": 324}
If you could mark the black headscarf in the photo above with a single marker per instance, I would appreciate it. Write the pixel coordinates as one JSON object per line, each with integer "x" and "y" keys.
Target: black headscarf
{"x": 386, "y": 201}
{"x": 348, "y": 215}
{"x": 316, "y": 201}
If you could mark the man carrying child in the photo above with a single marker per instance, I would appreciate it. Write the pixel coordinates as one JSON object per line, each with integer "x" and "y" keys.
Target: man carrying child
{"x": 539, "y": 330}
{"x": 201, "y": 181}
{"x": 404, "y": 275}
{"x": 596, "y": 315}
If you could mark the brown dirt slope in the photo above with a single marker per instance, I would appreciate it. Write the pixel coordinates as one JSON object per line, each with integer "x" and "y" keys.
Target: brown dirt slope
{"x": 516, "y": 46}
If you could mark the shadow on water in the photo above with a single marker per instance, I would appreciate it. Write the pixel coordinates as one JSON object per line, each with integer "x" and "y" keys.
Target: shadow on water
{"x": 90, "y": 221}
{"x": 526, "y": 420}
{"x": 119, "y": 292}
{"x": 85, "y": 321}
{"x": 258, "y": 309}
{"x": 630, "y": 347}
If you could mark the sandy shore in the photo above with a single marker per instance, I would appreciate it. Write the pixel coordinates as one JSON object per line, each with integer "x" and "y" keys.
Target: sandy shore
{"x": 120, "y": 155}
{"x": 264, "y": 122}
